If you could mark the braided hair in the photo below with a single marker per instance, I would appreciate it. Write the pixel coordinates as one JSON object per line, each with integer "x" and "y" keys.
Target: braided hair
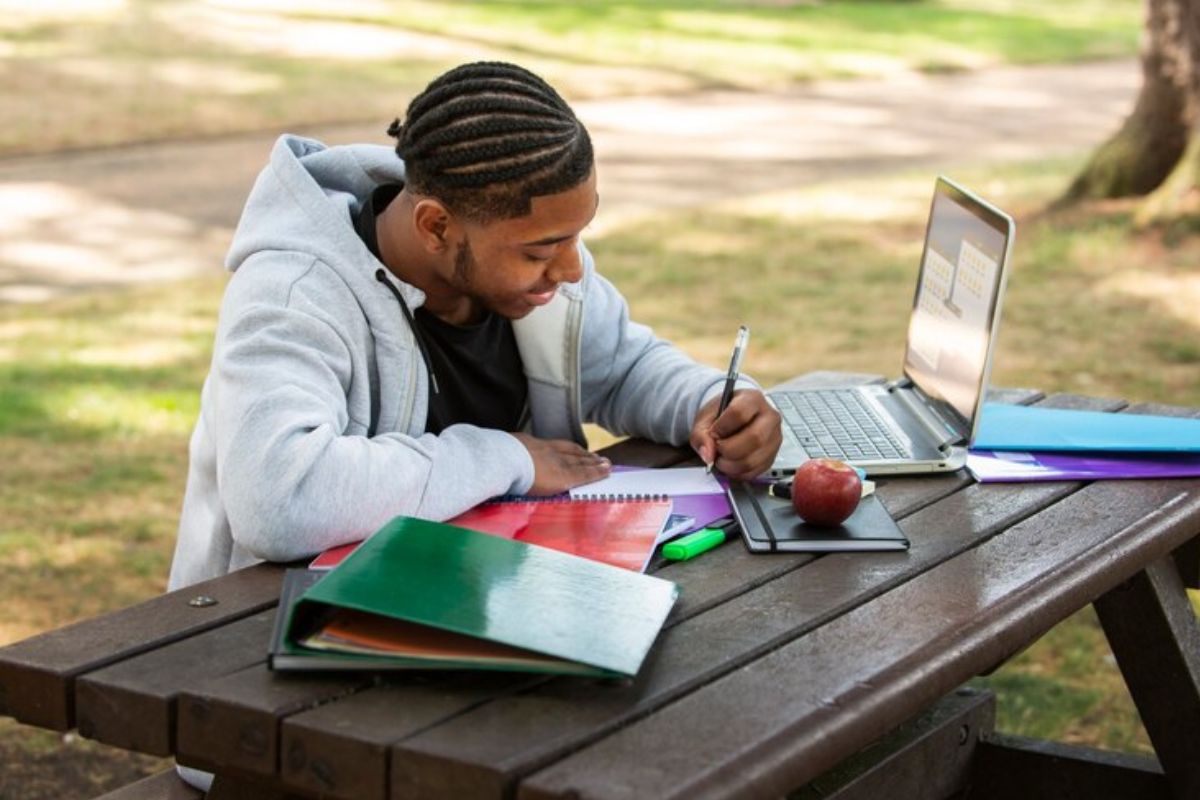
{"x": 486, "y": 138}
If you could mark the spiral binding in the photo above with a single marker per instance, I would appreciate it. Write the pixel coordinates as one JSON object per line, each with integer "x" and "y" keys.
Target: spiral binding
{"x": 520, "y": 498}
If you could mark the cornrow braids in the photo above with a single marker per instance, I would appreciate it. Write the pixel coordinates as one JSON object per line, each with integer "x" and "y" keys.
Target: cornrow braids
{"x": 486, "y": 138}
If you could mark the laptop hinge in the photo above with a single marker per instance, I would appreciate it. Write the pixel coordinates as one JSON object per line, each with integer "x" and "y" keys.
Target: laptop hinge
{"x": 945, "y": 431}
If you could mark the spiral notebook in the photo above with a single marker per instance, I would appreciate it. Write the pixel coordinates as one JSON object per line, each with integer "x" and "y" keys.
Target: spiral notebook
{"x": 621, "y": 530}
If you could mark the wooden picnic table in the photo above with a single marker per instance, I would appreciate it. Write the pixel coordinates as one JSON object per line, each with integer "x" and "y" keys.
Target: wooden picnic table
{"x": 838, "y": 675}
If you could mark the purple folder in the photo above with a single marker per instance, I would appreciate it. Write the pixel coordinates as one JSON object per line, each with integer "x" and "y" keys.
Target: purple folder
{"x": 991, "y": 466}
{"x": 705, "y": 508}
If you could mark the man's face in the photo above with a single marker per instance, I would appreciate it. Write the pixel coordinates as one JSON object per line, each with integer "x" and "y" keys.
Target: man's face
{"x": 513, "y": 266}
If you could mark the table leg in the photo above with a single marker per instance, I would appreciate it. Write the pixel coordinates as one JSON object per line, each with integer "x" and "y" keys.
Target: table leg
{"x": 1187, "y": 558}
{"x": 1153, "y": 632}
{"x": 925, "y": 758}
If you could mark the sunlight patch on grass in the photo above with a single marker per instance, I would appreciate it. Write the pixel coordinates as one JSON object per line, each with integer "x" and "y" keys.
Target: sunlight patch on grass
{"x": 1079, "y": 12}
{"x": 150, "y": 353}
{"x": 15, "y": 14}
{"x": 114, "y": 409}
{"x": 279, "y": 32}
{"x": 846, "y": 201}
{"x": 58, "y": 235}
{"x": 107, "y": 365}
{"x": 221, "y": 78}
{"x": 1175, "y": 295}
{"x": 708, "y": 243}
{"x": 99, "y": 73}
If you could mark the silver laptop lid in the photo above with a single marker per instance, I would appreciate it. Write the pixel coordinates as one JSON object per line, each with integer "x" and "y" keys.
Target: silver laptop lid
{"x": 956, "y": 308}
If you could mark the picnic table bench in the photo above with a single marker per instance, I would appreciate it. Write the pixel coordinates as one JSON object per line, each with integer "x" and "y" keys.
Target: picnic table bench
{"x": 833, "y": 676}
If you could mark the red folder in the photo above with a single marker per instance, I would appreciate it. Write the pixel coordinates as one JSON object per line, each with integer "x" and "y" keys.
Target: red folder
{"x": 620, "y": 531}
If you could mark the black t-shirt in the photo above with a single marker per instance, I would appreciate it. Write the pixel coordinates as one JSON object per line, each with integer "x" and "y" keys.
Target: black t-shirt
{"x": 478, "y": 367}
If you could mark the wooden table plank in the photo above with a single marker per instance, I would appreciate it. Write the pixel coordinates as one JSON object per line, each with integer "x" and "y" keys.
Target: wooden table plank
{"x": 340, "y": 750}
{"x": 131, "y": 704}
{"x": 37, "y": 675}
{"x": 926, "y": 758}
{"x": 233, "y": 721}
{"x": 734, "y": 739}
{"x": 1015, "y": 766}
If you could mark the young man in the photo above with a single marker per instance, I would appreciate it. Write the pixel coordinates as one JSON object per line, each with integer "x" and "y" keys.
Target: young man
{"x": 413, "y": 332}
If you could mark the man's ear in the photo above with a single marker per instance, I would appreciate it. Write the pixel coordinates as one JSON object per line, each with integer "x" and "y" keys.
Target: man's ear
{"x": 432, "y": 221}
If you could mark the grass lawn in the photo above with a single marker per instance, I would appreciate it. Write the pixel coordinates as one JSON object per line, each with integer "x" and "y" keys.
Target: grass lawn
{"x": 82, "y": 73}
{"x": 98, "y": 394}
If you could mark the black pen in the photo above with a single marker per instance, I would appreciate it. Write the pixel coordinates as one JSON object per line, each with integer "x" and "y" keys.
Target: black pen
{"x": 735, "y": 369}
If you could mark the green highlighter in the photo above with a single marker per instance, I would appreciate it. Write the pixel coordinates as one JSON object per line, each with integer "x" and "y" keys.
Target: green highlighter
{"x": 700, "y": 541}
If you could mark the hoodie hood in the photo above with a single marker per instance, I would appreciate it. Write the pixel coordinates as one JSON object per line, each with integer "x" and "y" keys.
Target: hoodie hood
{"x": 304, "y": 201}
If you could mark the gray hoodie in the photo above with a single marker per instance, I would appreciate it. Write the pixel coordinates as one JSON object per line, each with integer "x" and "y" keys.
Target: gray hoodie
{"x": 311, "y": 429}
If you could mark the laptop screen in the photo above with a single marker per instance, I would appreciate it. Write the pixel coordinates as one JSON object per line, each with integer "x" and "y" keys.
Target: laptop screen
{"x": 956, "y": 309}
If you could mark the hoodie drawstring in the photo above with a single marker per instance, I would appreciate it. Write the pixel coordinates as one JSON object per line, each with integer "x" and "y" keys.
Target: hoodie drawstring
{"x": 382, "y": 278}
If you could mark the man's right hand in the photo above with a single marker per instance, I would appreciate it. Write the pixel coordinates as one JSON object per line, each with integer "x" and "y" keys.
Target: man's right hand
{"x": 559, "y": 465}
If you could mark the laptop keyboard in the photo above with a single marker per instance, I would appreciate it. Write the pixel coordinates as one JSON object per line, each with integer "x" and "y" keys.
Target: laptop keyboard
{"x": 839, "y": 423}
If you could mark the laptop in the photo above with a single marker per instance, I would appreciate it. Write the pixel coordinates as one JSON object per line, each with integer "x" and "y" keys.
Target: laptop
{"x": 924, "y": 421}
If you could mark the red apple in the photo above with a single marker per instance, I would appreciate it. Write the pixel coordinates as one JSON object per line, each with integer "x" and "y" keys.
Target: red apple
{"x": 826, "y": 491}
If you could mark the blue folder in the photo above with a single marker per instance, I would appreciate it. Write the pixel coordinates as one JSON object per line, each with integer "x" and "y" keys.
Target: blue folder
{"x": 1011, "y": 427}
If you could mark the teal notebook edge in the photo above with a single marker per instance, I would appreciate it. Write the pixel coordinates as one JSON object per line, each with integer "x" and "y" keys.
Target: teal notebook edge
{"x": 1003, "y": 426}
{"x": 594, "y": 618}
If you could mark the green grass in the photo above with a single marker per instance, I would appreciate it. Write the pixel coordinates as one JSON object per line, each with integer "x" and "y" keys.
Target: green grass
{"x": 1067, "y": 688}
{"x": 40, "y": 765}
{"x": 99, "y": 396}
{"x": 155, "y": 69}
{"x": 757, "y": 45}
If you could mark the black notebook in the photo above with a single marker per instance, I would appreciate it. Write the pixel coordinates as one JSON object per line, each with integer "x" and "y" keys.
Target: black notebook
{"x": 770, "y": 525}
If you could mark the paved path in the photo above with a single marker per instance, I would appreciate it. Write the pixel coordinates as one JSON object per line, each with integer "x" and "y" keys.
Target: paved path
{"x": 82, "y": 220}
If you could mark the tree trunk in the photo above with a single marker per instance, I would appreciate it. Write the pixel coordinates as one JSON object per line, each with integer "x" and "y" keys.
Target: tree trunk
{"x": 1179, "y": 195}
{"x": 1139, "y": 157}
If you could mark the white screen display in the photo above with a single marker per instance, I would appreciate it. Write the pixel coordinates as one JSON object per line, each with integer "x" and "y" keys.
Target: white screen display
{"x": 955, "y": 304}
